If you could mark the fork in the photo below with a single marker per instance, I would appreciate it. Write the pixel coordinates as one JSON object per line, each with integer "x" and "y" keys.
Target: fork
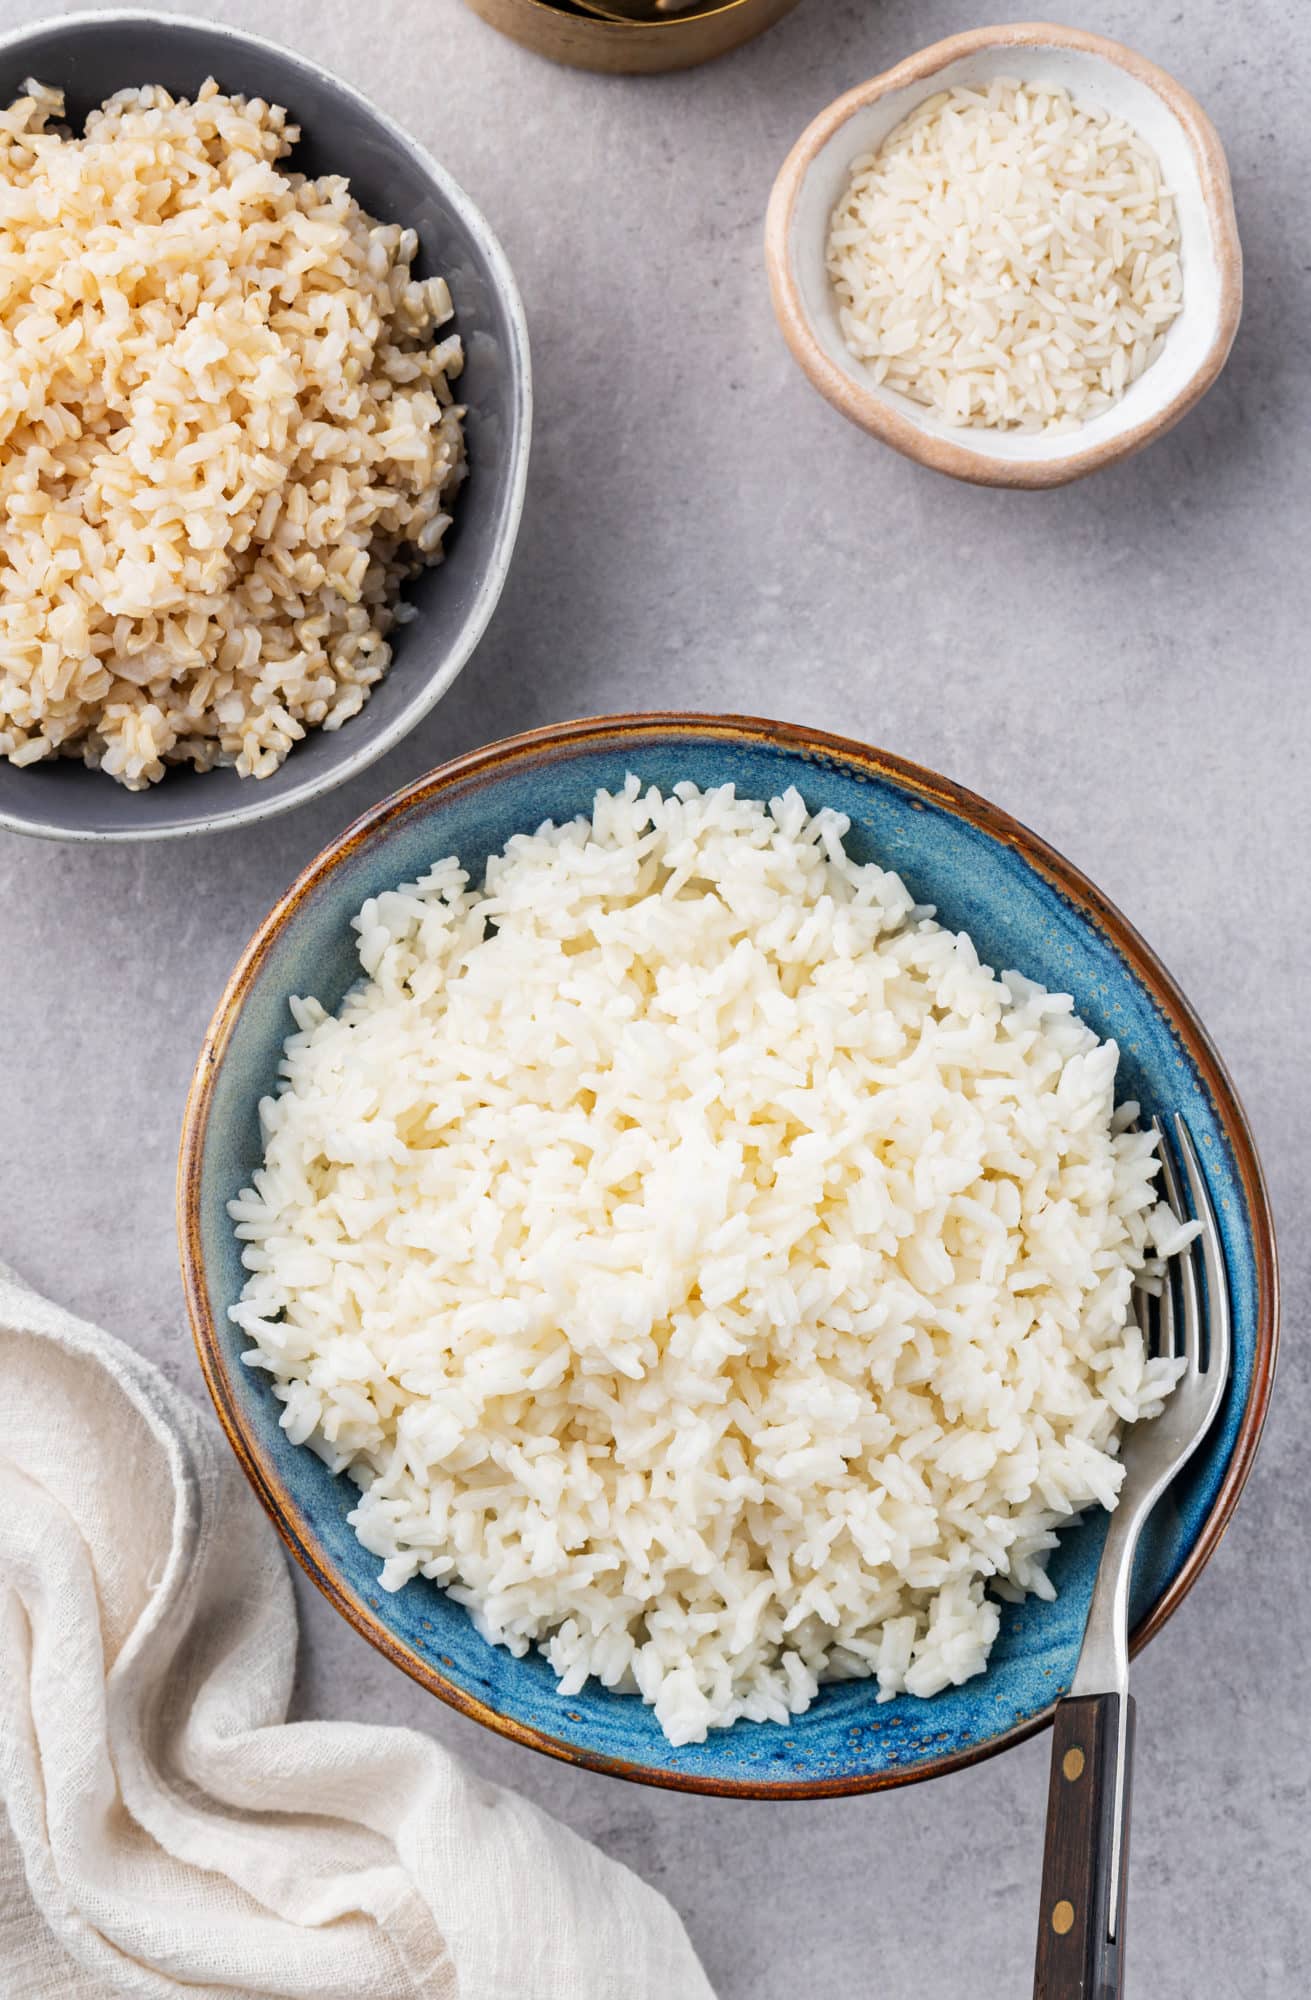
{"x": 1080, "y": 1952}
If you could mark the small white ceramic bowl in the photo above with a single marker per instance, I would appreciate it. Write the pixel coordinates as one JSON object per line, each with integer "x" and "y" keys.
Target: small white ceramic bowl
{"x": 1094, "y": 71}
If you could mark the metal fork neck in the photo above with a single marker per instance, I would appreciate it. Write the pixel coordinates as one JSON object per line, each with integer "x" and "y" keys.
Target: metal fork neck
{"x": 1103, "y": 1666}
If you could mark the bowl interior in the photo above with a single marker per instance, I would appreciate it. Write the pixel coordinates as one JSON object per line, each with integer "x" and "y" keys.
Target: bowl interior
{"x": 1090, "y": 79}
{"x": 90, "y": 58}
{"x": 1017, "y": 918}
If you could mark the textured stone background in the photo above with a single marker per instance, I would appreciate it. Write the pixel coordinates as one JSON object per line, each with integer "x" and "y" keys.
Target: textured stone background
{"x": 1122, "y": 664}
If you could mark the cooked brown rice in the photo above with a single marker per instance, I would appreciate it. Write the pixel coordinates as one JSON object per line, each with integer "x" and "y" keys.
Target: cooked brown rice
{"x": 227, "y": 435}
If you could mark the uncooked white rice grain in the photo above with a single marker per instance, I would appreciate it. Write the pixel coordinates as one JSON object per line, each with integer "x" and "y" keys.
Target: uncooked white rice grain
{"x": 1008, "y": 257}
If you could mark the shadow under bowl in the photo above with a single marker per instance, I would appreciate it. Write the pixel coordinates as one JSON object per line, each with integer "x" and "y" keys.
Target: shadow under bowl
{"x": 91, "y": 56}
{"x": 1025, "y": 907}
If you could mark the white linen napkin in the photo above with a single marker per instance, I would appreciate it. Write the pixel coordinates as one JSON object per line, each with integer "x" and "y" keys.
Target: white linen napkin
{"x": 168, "y": 1831}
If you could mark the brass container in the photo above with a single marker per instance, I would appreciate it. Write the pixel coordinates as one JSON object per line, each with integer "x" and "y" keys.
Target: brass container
{"x": 569, "y": 34}
{"x": 639, "y": 10}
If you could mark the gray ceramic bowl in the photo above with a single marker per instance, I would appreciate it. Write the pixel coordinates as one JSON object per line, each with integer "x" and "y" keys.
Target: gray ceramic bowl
{"x": 89, "y": 57}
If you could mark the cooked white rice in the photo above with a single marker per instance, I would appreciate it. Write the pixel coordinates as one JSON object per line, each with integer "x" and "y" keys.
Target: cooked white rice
{"x": 1008, "y": 257}
{"x": 706, "y": 1268}
{"x": 227, "y": 435}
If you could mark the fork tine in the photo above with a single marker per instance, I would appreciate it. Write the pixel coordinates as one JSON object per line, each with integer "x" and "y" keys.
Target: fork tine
{"x": 1169, "y": 1178}
{"x": 1143, "y": 1302}
{"x": 1168, "y": 1345}
{"x": 1186, "y": 1262}
{"x": 1217, "y": 1289}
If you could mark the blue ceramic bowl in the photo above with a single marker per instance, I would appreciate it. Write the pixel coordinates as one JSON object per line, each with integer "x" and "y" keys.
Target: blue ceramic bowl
{"x": 1024, "y": 906}
{"x": 89, "y": 56}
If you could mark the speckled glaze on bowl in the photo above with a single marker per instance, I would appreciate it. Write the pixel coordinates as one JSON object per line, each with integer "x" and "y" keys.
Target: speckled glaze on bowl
{"x": 91, "y": 55}
{"x": 1024, "y": 907}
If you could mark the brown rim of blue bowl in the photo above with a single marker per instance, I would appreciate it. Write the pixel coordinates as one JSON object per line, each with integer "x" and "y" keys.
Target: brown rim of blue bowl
{"x": 534, "y": 745}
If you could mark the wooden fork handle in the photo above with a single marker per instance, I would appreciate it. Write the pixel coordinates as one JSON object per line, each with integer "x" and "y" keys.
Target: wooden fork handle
{"x": 1077, "y": 1957}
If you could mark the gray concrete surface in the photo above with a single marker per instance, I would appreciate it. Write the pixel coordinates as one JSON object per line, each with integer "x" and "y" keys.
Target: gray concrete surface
{"x": 1122, "y": 664}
